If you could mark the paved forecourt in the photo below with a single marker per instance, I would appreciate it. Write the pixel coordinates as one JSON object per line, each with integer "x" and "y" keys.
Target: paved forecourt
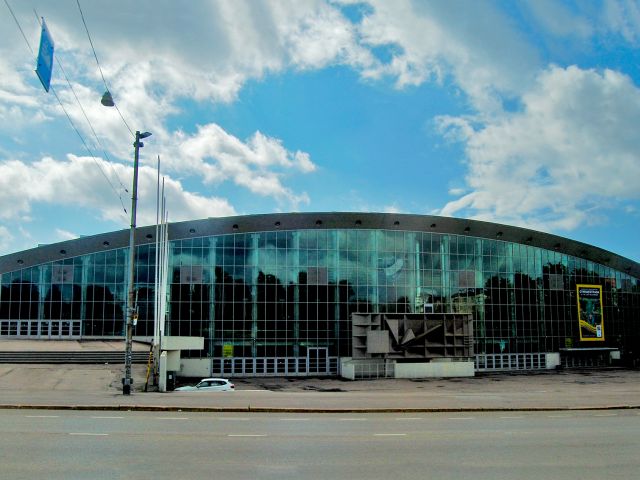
{"x": 98, "y": 387}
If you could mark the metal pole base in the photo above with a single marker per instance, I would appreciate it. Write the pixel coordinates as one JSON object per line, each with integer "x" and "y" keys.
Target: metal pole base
{"x": 126, "y": 386}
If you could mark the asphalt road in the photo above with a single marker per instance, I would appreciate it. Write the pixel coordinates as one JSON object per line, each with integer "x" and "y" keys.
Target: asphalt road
{"x": 123, "y": 445}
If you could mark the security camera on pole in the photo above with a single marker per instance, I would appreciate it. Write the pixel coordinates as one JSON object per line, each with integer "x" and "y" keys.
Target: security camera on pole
{"x": 131, "y": 307}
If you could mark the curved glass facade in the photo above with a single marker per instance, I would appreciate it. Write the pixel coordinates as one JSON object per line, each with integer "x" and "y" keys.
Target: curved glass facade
{"x": 279, "y": 293}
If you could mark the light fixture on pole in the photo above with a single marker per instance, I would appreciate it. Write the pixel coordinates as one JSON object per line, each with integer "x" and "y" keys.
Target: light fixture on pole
{"x": 107, "y": 99}
{"x": 131, "y": 307}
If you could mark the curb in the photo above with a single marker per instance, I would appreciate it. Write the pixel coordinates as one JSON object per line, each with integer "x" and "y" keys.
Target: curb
{"x": 250, "y": 409}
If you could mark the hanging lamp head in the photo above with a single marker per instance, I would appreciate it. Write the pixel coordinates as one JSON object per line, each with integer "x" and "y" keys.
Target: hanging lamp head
{"x": 107, "y": 99}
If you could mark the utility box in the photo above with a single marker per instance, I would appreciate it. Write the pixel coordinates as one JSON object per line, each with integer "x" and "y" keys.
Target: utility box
{"x": 171, "y": 381}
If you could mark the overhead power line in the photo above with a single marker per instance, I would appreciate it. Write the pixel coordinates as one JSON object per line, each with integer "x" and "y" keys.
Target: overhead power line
{"x": 91, "y": 154}
{"x": 19, "y": 27}
{"x": 95, "y": 55}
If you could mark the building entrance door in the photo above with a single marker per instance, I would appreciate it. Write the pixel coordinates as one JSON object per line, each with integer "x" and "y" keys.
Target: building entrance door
{"x": 318, "y": 360}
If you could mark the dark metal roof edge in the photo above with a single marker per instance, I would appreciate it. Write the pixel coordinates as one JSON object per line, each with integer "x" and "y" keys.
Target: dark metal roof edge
{"x": 321, "y": 220}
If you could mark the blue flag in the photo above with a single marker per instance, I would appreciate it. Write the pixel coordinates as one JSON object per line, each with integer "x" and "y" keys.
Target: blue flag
{"x": 45, "y": 57}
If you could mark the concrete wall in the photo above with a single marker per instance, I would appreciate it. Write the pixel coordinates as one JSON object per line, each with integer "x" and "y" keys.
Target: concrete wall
{"x": 173, "y": 360}
{"x": 182, "y": 343}
{"x": 434, "y": 369}
{"x": 553, "y": 360}
{"x": 347, "y": 368}
{"x": 195, "y": 367}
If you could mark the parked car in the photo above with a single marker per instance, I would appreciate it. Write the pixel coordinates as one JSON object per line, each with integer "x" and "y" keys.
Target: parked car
{"x": 209, "y": 385}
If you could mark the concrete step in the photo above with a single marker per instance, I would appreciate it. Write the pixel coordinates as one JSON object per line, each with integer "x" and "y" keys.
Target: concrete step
{"x": 71, "y": 357}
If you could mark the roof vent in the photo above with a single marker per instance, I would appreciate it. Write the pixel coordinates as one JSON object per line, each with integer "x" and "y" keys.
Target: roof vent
{"x": 396, "y": 223}
{"x": 192, "y": 230}
{"x": 358, "y": 222}
{"x": 318, "y": 222}
{"x": 63, "y": 252}
{"x": 433, "y": 225}
{"x": 105, "y": 243}
{"x": 20, "y": 262}
{"x": 149, "y": 236}
{"x": 499, "y": 235}
{"x": 277, "y": 224}
{"x": 467, "y": 229}
{"x": 235, "y": 227}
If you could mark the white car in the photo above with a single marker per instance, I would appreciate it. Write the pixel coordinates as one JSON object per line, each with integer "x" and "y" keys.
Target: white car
{"x": 209, "y": 385}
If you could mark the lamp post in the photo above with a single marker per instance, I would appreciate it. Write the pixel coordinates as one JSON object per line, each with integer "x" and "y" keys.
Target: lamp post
{"x": 131, "y": 307}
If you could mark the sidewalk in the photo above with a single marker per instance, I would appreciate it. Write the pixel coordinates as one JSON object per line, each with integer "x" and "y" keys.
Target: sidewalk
{"x": 98, "y": 387}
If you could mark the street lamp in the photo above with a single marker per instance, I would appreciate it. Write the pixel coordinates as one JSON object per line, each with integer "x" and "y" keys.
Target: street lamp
{"x": 107, "y": 101}
{"x": 131, "y": 307}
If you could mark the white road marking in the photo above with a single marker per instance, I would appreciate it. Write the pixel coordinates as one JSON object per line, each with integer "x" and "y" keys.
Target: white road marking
{"x": 245, "y": 435}
{"x": 389, "y": 434}
{"x": 511, "y": 417}
{"x": 294, "y": 419}
{"x": 108, "y": 417}
{"x": 559, "y": 416}
{"x": 606, "y": 415}
{"x": 409, "y": 418}
{"x": 352, "y": 419}
{"x": 460, "y": 418}
{"x": 90, "y": 434}
{"x": 239, "y": 419}
{"x": 172, "y": 418}
{"x": 42, "y": 416}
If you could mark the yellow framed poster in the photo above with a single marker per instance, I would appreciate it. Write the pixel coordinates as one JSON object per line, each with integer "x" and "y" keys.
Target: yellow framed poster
{"x": 227, "y": 350}
{"x": 590, "y": 313}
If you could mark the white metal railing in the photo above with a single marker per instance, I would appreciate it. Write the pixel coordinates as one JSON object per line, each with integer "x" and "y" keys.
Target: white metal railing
{"x": 274, "y": 366}
{"x": 372, "y": 370}
{"x": 43, "y": 329}
{"x": 510, "y": 361}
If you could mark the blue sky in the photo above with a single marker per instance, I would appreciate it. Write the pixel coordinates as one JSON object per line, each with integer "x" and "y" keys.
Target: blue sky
{"x": 518, "y": 112}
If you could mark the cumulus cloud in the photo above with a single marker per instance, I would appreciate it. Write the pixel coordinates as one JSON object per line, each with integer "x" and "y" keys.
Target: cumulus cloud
{"x": 553, "y": 162}
{"x": 561, "y": 161}
{"x": 472, "y": 43}
{"x": 5, "y": 238}
{"x": 205, "y": 51}
{"x": 76, "y": 181}
{"x": 257, "y": 164}
{"x": 623, "y": 17}
{"x": 558, "y": 19}
{"x": 65, "y": 235}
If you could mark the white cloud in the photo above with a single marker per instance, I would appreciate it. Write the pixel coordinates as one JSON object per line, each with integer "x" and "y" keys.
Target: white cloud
{"x": 559, "y": 20}
{"x": 392, "y": 209}
{"x": 78, "y": 182}
{"x": 524, "y": 167}
{"x": 623, "y": 17}
{"x": 257, "y": 164}
{"x": 5, "y": 238}
{"x": 472, "y": 42}
{"x": 456, "y": 191}
{"x": 65, "y": 235}
{"x": 573, "y": 147}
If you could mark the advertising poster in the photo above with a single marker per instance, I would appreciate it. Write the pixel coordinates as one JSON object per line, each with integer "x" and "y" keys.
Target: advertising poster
{"x": 227, "y": 350}
{"x": 590, "y": 313}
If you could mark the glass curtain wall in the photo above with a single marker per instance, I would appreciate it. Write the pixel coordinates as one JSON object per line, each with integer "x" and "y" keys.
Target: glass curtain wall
{"x": 276, "y": 294}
